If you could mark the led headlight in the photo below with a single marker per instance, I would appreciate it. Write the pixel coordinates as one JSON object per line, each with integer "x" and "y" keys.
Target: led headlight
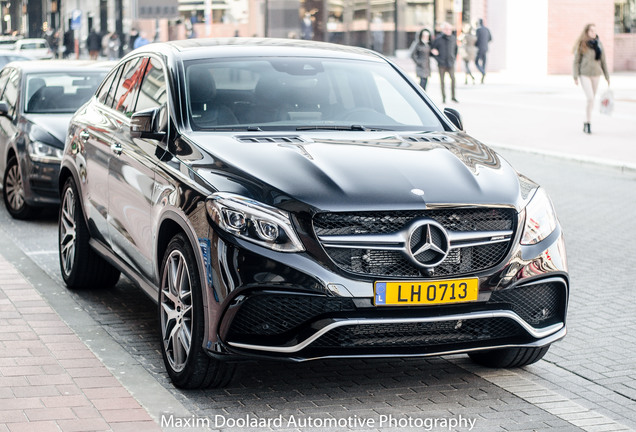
{"x": 254, "y": 221}
{"x": 40, "y": 152}
{"x": 540, "y": 219}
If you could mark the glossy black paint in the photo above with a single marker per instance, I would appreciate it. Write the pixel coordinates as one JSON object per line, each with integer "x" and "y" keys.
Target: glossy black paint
{"x": 136, "y": 200}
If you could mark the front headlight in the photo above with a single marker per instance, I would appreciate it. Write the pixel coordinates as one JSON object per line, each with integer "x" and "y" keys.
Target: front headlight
{"x": 40, "y": 152}
{"x": 254, "y": 221}
{"x": 540, "y": 219}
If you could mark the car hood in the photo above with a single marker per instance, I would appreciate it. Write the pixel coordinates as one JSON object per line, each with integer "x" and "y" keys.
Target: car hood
{"x": 358, "y": 171}
{"x": 48, "y": 128}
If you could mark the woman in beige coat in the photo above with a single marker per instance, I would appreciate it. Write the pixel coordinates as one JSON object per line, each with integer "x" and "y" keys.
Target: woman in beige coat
{"x": 589, "y": 64}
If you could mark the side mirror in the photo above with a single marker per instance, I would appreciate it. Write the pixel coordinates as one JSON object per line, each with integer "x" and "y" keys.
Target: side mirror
{"x": 4, "y": 109}
{"x": 144, "y": 124}
{"x": 454, "y": 117}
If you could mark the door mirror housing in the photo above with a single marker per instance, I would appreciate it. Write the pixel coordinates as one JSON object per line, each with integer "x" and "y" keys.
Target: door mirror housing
{"x": 145, "y": 124}
{"x": 4, "y": 109}
{"x": 455, "y": 118}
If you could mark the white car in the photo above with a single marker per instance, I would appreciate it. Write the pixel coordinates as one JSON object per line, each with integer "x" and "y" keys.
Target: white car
{"x": 35, "y": 48}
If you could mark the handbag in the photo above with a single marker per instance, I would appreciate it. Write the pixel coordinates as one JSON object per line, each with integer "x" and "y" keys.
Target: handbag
{"x": 607, "y": 102}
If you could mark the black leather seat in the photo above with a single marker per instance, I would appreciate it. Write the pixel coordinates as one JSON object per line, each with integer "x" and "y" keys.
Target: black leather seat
{"x": 205, "y": 110}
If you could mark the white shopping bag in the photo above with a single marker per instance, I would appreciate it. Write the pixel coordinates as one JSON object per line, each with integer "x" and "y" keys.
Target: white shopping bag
{"x": 607, "y": 102}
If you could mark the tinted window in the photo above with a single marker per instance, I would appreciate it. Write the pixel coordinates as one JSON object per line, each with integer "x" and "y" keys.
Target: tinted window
{"x": 104, "y": 89}
{"x": 4, "y": 77}
{"x": 153, "y": 92}
{"x": 59, "y": 92}
{"x": 287, "y": 93}
{"x": 128, "y": 85}
{"x": 10, "y": 95}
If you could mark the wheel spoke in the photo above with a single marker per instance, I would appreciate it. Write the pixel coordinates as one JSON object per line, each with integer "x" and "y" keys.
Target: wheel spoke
{"x": 185, "y": 337}
{"x": 170, "y": 313}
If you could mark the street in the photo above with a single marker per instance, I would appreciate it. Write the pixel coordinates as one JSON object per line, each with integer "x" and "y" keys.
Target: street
{"x": 585, "y": 382}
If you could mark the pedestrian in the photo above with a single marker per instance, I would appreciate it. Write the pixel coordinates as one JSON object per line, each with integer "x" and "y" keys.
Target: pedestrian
{"x": 141, "y": 40}
{"x": 421, "y": 55}
{"x": 307, "y": 26}
{"x": 483, "y": 39}
{"x": 444, "y": 49}
{"x": 69, "y": 43}
{"x": 94, "y": 44}
{"x": 113, "y": 46}
{"x": 54, "y": 42}
{"x": 468, "y": 51}
{"x": 132, "y": 37}
{"x": 589, "y": 63}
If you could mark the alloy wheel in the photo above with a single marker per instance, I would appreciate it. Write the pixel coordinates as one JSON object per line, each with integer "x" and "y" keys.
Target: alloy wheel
{"x": 176, "y": 311}
{"x": 14, "y": 189}
{"x": 68, "y": 231}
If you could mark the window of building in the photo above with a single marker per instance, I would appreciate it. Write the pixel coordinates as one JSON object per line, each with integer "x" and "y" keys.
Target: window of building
{"x": 625, "y": 16}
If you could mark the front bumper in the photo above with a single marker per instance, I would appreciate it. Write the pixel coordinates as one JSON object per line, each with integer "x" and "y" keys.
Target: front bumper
{"x": 290, "y": 310}
{"x": 41, "y": 188}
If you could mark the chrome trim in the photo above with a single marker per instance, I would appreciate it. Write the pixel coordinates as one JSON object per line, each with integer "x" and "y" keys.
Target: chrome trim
{"x": 536, "y": 333}
{"x": 398, "y": 240}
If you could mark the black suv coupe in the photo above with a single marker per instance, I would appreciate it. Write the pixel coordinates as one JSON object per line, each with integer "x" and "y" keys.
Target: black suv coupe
{"x": 298, "y": 200}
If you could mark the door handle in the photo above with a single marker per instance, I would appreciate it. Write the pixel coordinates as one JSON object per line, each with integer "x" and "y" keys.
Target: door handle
{"x": 116, "y": 148}
{"x": 84, "y": 135}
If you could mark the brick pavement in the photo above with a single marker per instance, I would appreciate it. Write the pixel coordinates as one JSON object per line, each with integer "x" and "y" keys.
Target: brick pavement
{"x": 50, "y": 380}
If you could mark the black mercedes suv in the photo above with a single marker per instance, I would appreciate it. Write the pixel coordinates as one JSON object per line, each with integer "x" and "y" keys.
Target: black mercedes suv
{"x": 296, "y": 200}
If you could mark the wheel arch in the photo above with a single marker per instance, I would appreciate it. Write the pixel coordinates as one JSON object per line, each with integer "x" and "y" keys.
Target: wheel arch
{"x": 170, "y": 225}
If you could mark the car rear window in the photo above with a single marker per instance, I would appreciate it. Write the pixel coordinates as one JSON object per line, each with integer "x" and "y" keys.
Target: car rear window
{"x": 60, "y": 92}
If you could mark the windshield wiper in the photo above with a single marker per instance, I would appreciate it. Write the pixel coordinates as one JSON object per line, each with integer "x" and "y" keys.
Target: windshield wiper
{"x": 329, "y": 127}
{"x": 233, "y": 128}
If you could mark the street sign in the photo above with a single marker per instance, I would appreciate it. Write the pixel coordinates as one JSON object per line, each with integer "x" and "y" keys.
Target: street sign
{"x": 76, "y": 19}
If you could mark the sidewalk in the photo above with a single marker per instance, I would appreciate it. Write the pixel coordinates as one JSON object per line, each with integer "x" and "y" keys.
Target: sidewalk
{"x": 50, "y": 380}
{"x": 544, "y": 114}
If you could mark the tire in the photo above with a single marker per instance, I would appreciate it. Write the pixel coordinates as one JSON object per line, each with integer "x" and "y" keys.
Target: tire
{"x": 13, "y": 191}
{"x": 181, "y": 322}
{"x": 80, "y": 265}
{"x": 509, "y": 357}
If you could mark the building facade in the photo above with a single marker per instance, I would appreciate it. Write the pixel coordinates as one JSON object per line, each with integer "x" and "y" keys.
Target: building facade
{"x": 529, "y": 37}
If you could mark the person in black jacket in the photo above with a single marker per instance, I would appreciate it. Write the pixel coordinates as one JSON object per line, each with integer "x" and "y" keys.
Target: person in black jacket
{"x": 483, "y": 39}
{"x": 444, "y": 49}
{"x": 94, "y": 44}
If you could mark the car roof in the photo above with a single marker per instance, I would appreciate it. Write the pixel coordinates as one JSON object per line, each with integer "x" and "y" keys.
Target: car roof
{"x": 257, "y": 47}
{"x": 8, "y": 52}
{"x": 30, "y": 40}
{"x": 28, "y": 66}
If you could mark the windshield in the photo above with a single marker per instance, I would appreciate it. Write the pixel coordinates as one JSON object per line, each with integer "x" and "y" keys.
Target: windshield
{"x": 303, "y": 94}
{"x": 60, "y": 92}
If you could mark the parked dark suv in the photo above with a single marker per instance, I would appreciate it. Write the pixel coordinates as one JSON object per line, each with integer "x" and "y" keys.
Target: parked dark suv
{"x": 297, "y": 200}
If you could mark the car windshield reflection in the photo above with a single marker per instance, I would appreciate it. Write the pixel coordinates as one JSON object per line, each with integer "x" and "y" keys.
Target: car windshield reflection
{"x": 303, "y": 94}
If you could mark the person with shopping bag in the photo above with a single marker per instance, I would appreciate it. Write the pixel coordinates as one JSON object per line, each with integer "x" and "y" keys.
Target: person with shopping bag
{"x": 589, "y": 63}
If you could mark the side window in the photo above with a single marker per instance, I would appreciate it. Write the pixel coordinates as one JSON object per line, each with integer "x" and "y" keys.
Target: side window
{"x": 10, "y": 94}
{"x": 128, "y": 85}
{"x": 153, "y": 91}
{"x": 4, "y": 77}
{"x": 109, "y": 95}
{"x": 103, "y": 91}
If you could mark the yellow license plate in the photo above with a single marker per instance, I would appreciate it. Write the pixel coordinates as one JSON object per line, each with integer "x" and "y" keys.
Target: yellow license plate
{"x": 396, "y": 293}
